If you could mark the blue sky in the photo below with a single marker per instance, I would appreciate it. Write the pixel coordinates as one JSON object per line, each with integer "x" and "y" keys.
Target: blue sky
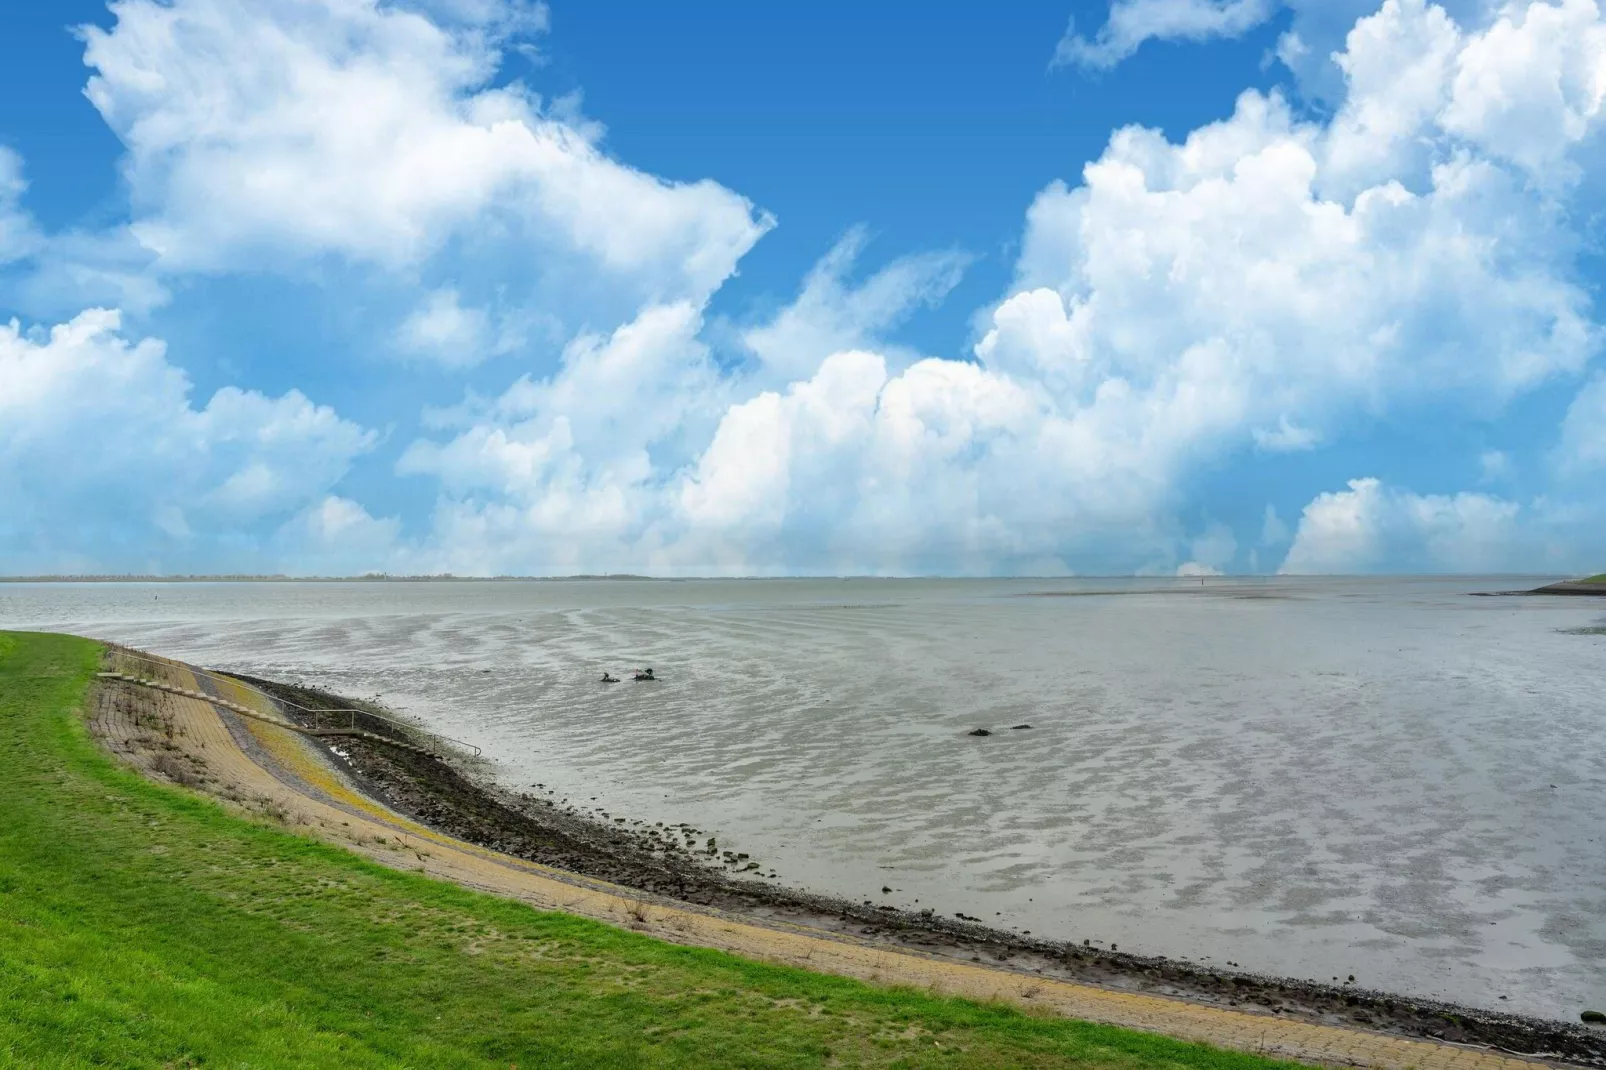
{"x": 331, "y": 286}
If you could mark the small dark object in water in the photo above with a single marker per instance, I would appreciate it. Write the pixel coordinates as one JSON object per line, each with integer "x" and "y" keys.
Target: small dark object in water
{"x": 645, "y": 674}
{"x": 609, "y": 678}
{"x": 1593, "y": 1017}
{"x": 885, "y": 890}
{"x": 1018, "y": 727}
{"x": 980, "y": 732}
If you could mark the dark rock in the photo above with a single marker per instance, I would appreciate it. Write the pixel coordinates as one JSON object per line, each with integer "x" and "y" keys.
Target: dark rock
{"x": 1593, "y": 1017}
{"x": 1018, "y": 727}
{"x": 980, "y": 732}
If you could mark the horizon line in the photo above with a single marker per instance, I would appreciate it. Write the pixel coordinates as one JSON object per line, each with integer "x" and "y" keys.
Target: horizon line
{"x": 448, "y": 577}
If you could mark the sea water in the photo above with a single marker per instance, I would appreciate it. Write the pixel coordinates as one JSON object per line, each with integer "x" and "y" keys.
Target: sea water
{"x": 1388, "y": 778}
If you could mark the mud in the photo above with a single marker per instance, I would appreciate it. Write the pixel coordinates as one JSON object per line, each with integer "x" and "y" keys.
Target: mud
{"x": 681, "y": 863}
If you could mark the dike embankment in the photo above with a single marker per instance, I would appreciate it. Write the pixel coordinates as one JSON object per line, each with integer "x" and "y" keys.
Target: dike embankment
{"x": 385, "y": 790}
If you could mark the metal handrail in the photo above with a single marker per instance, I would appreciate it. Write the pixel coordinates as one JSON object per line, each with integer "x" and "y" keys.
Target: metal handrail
{"x": 275, "y": 699}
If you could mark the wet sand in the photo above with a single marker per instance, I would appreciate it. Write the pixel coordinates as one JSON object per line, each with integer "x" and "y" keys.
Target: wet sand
{"x": 675, "y": 865}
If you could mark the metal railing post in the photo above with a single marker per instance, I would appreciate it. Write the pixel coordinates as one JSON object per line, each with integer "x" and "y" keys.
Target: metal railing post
{"x": 274, "y": 701}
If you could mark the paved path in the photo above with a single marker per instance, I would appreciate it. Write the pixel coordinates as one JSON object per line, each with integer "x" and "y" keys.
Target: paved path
{"x": 283, "y": 773}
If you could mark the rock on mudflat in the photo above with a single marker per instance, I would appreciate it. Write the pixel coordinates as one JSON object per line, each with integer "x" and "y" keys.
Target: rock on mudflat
{"x": 980, "y": 732}
{"x": 1018, "y": 727}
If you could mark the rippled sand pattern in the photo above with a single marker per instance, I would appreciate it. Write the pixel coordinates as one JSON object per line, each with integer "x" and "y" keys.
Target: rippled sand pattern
{"x": 1320, "y": 778}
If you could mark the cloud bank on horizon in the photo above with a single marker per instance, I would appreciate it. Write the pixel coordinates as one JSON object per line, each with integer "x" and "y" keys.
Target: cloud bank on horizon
{"x": 1399, "y": 232}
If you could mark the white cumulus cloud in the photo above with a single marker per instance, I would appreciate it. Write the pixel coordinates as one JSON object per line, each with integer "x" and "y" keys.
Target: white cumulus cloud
{"x": 1132, "y": 22}
{"x": 445, "y": 331}
{"x": 18, "y": 235}
{"x": 563, "y": 473}
{"x": 830, "y": 315}
{"x": 101, "y": 451}
{"x": 275, "y": 133}
{"x": 1372, "y": 527}
{"x": 338, "y": 537}
{"x": 1581, "y": 451}
{"x": 1264, "y": 284}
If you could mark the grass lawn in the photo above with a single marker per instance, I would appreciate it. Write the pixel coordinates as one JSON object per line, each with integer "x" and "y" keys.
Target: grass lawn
{"x": 1595, "y": 579}
{"x": 142, "y": 926}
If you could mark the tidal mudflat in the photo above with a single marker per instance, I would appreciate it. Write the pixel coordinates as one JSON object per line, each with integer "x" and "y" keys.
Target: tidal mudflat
{"x": 1314, "y": 778}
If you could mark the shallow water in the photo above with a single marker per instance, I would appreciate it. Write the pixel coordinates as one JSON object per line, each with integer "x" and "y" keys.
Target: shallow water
{"x": 1317, "y": 778}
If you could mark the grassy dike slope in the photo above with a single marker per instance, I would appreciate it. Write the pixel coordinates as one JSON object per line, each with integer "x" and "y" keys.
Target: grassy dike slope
{"x": 142, "y": 926}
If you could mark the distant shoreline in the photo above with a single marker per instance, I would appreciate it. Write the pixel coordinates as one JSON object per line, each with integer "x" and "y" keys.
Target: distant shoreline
{"x": 1595, "y": 585}
{"x": 448, "y": 577}
{"x": 445, "y": 577}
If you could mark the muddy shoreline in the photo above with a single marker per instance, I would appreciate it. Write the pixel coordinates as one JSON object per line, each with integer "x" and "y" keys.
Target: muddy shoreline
{"x": 680, "y": 863}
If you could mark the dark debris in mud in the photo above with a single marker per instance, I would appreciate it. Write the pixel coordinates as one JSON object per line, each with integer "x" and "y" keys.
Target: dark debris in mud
{"x": 681, "y": 863}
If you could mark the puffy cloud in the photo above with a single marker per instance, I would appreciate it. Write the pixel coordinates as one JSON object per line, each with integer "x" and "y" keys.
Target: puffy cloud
{"x": 506, "y": 18}
{"x": 1398, "y": 67}
{"x": 272, "y": 133}
{"x": 772, "y": 447}
{"x": 18, "y": 235}
{"x": 103, "y": 458}
{"x": 1285, "y": 437}
{"x": 1494, "y": 466}
{"x": 446, "y": 331}
{"x": 1212, "y": 549}
{"x": 1270, "y": 281}
{"x": 1132, "y": 22}
{"x": 1258, "y": 287}
{"x": 946, "y": 466}
{"x": 61, "y": 273}
{"x": 1530, "y": 87}
{"x": 1525, "y": 90}
{"x": 443, "y": 331}
{"x": 830, "y": 316}
{"x": 1264, "y": 284}
{"x": 1314, "y": 47}
{"x": 1581, "y": 451}
{"x": 1273, "y": 532}
{"x": 562, "y": 472}
{"x": 1465, "y": 286}
{"x": 1375, "y": 528}
{"x": 337, "y": 537}
{"x": 1261, "y": 286}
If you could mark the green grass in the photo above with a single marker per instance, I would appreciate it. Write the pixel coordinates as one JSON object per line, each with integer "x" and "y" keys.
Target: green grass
{"x": 1594, "y": 579}
{"x": 143, "y": 926}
